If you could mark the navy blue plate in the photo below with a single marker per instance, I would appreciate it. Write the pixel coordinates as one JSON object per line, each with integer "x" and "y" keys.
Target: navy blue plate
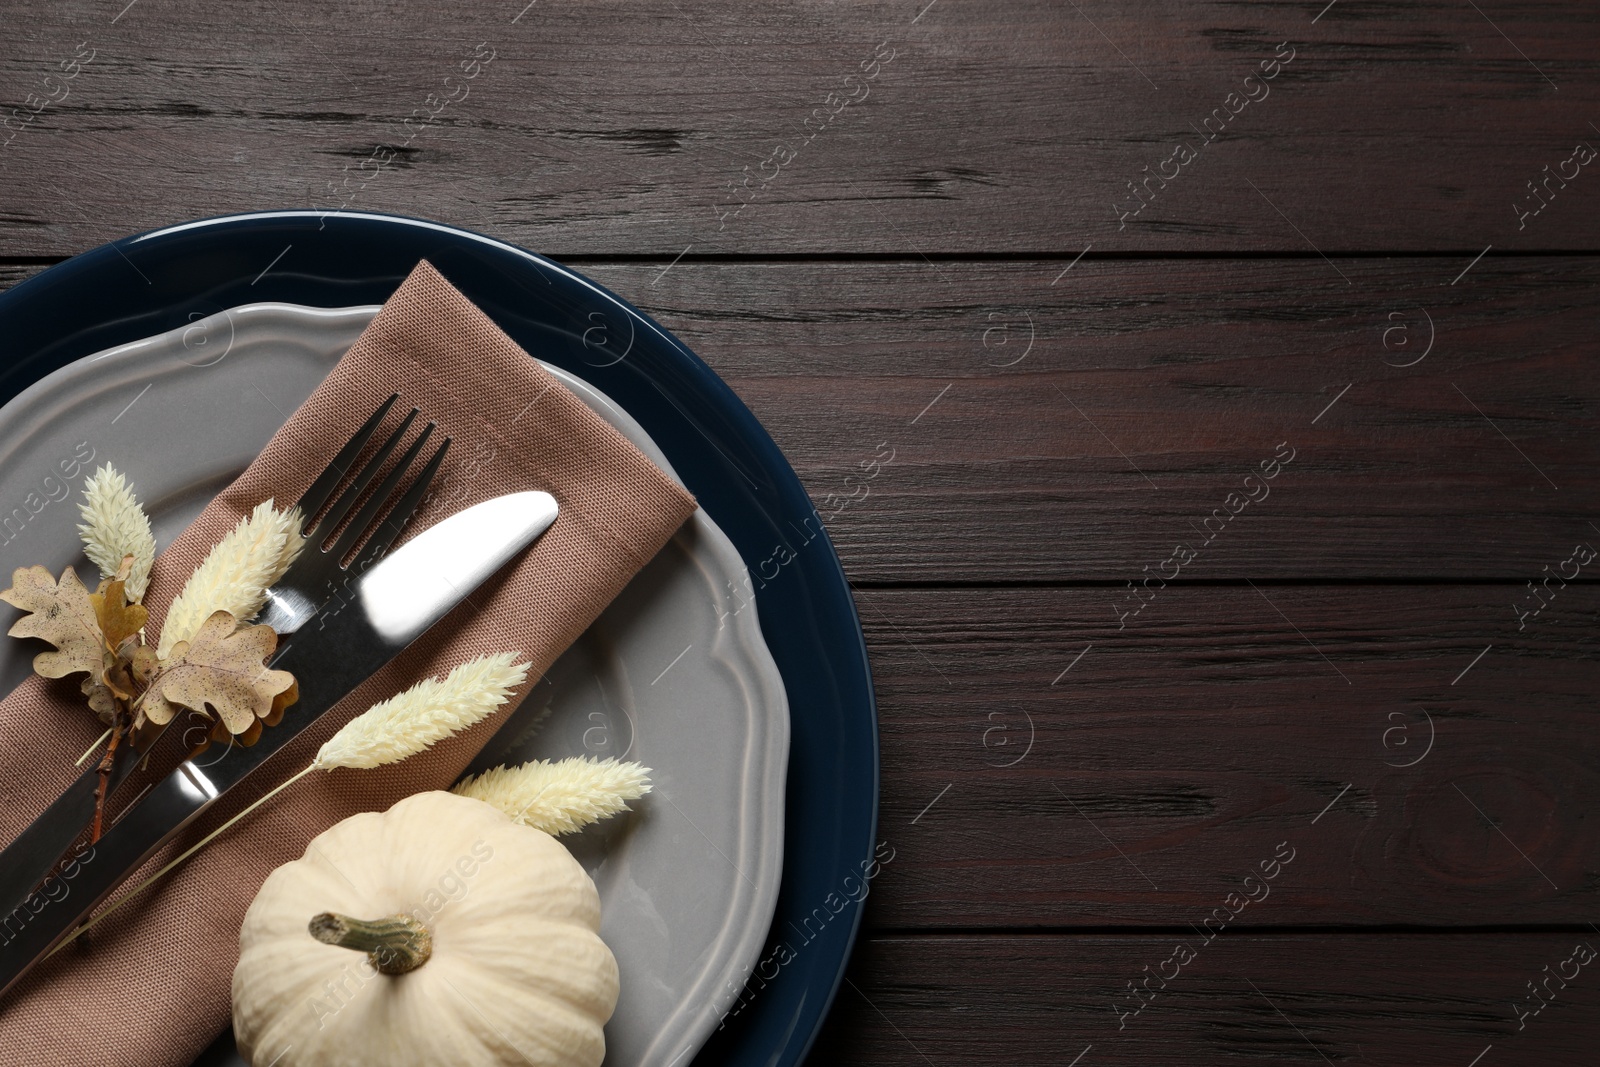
{"x": 144, "y": 285}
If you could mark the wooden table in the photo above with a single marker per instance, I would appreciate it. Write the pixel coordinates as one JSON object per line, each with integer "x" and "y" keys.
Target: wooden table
{"x": 1236, "y": 361}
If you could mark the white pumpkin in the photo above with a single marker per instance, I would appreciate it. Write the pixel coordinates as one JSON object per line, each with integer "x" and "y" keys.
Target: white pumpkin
{"x": 476, "y": 944}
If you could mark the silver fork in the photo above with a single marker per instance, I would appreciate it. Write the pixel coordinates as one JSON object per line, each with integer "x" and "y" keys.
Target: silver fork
{"x": 308, "y": 582}
{"x": 303, "y": 590}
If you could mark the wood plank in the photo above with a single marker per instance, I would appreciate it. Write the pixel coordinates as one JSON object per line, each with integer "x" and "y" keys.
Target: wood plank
{"x": 1420, "y": 779}
{"x": 627, "y": 126}
{"x": 1185, "y": 373}
{"x": 13, "y": 273}
{"x": 1152, "y": 388}
{"x": 1432, "y": 1001}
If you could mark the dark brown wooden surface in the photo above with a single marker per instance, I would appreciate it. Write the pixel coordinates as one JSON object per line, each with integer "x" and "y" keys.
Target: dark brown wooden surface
{"x": 1151, "y": 388}
{"x": 614, "y": 126}
{"x": 1146, "y": 782}
{"x": 1429, "y": 1001}
{"x": 1071, "y": 788}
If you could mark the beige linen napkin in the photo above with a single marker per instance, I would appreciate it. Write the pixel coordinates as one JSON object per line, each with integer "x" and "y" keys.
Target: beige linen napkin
{"x": 151, "y": 986}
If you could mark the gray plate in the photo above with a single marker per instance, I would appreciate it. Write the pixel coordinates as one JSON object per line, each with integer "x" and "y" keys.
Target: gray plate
{"x": 673, "y": 674}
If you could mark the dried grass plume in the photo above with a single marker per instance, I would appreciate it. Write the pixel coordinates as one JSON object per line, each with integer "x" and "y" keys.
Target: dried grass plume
{"x": 561, "y": 796}
{"x": 236, "y": 574}
{"x": 115, "y": 526}
{"x": 429, "y": 711}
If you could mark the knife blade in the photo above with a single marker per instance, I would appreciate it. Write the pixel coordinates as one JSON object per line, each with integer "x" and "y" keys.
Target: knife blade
{"x": 372, "y": 619}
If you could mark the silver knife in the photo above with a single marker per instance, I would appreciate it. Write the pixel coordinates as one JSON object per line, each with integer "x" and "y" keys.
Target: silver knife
{"x": 374, "y": 617}
{"x": 293, "y": 601}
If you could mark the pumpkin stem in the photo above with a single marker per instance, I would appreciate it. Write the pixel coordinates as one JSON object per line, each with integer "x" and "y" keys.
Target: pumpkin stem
{"x": 395, "y": 945}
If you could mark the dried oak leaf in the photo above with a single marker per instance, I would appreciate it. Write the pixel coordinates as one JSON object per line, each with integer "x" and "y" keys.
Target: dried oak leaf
{"x": 219, "y": 731}
{"x": 222, "y": 669}
{"x": 60, "y": 613}
{"x": 142, "y": 662}
{"x": 127, "y": 675}
{"x": 101, "y": 700}
{"x": 281, "y": 702}
{"x": 119, "y": 620}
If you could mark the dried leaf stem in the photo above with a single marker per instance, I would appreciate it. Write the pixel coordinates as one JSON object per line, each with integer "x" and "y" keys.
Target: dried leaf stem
{"x": 107, "y": 763}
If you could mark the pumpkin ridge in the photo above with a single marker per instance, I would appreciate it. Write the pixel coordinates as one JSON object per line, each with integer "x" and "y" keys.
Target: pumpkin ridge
{"x": 548, "y": 1021}
{"x": 588, "y": 996}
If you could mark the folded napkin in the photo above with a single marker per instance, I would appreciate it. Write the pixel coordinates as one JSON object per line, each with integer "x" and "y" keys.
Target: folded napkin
{"x": 152, "y": 985}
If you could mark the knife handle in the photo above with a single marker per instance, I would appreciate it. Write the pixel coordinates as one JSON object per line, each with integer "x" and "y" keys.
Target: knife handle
{"x": 70, "y": 896}
{"x": 347, "y": 651}
{"x": 30, "y": 859}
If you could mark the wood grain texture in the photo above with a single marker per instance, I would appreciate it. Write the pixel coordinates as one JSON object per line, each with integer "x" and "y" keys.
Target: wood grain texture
{"x": 627, "y": 127}
{"x": 1143, "y": 781}
{"x": 1071, "y": 788}
{"x": 13, "y": 273}
{"x": 1140, "y": 394}
{"x": 1430, "y": 1001}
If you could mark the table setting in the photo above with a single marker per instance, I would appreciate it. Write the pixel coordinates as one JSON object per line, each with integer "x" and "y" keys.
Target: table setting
{"x": 726, "y": 534}
{"x": 632, "y": 609}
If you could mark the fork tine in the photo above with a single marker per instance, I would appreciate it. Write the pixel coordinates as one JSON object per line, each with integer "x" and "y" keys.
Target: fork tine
{"x": 347, "y": 499}
{"x": 358, "y": 526}
{"x": 396, "y": 521}
{"x": 321, "y": 489}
